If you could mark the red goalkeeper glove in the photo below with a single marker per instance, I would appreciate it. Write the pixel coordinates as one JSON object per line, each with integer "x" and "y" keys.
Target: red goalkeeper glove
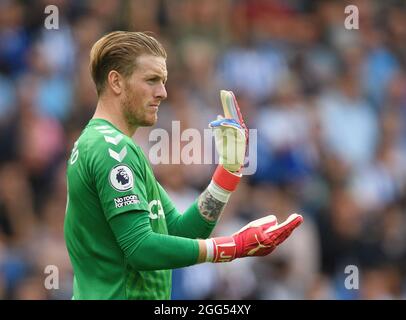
{"x": 258, "y": 238}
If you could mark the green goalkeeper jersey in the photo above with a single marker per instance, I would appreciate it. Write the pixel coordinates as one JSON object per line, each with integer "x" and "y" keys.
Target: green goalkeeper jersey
{"x": 108, "y": 175}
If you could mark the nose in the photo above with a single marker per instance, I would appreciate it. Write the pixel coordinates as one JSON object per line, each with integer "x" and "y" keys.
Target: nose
{"x": 161, "y": 92}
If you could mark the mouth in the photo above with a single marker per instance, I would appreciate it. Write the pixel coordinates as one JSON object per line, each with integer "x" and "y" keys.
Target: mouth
{"x": 154, "y": 106}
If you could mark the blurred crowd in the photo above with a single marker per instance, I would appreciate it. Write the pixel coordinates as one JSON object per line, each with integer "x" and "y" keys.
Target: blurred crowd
{"x": 328, "y": 104}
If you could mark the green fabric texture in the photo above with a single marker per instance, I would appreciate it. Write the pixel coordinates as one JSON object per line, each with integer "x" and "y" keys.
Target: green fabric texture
{"x": 190, "y": 224}
{"x": 146, "y": 250}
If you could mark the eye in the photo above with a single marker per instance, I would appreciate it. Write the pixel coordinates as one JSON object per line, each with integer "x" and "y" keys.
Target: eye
{"x": 156, "y": 80}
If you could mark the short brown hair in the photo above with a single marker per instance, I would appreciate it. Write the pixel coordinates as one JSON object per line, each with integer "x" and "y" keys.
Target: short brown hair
{"x": 118, "y": 51}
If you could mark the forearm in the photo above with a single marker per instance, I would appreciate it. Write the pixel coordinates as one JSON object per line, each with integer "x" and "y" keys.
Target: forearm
{"x": 199, "y": 220}
{"x": 161, "y": 252}
{"x": 146, "y": 250}
{"x": 172, "y": 252}
{"x": 191, "y": 224}
{"x": 212, "y": 201}
{"x": 201, "y": 217}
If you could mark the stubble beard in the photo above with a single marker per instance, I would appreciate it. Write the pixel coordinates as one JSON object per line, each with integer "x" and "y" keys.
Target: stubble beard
{"x": 134, "y": 117}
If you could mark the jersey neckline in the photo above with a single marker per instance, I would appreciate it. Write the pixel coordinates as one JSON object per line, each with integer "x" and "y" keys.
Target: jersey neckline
{"x": 97, "y": 121}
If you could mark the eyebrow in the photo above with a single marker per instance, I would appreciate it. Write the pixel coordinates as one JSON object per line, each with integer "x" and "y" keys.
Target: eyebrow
{"x": 154, "y": 74}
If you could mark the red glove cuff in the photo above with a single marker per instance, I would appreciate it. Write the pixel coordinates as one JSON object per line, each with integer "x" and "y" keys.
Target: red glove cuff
{"x": 224, "y": 249}
{"x": 226, "y": 179}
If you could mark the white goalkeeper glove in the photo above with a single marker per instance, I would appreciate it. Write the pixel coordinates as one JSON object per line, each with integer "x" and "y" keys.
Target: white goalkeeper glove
{"x": 231, "y": 139}
{"x": 230, "y": 134}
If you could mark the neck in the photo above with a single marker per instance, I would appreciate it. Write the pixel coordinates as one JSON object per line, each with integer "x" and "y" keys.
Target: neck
{"x": 111, "y": 112}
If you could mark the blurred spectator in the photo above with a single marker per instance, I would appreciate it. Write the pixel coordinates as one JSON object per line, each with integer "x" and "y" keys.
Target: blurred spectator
{"x": 285, "y": 127}
{"x": 349, "y": 123}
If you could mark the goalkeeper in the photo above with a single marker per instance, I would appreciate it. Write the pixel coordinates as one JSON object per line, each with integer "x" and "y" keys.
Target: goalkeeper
{"x": 122, "y": 231}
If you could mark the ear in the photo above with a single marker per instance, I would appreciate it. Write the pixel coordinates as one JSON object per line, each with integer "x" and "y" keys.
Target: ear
{"x": 115, "y": 82}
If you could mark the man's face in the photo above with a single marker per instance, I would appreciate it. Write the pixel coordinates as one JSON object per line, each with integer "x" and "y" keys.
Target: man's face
{"x": 144, "y": 90}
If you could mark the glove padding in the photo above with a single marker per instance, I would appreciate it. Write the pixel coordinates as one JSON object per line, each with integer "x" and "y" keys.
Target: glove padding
{"x": 258, "y": 238}
{"x": 230, "y": 133}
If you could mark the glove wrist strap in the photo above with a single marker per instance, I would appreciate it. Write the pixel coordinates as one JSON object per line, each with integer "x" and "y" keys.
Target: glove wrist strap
{"x": 226, "y": 179}
{"x": 221, "y": 249}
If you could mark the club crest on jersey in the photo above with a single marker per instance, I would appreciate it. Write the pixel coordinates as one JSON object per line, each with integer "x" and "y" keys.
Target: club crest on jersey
{"x": 121, "y": 178}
